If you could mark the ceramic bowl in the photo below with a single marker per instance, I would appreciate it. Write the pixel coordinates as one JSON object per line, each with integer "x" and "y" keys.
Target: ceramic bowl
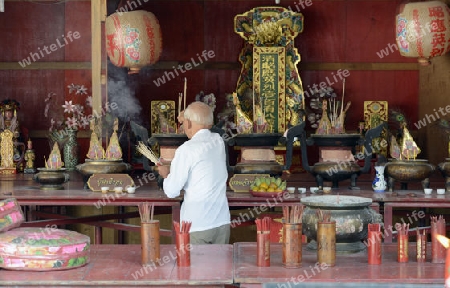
{"x": 105, "y": 189}
{"x": 326, "y": 189}
{"x": 118, "y": 189}
{"x": 301, "y": 190}
{"x": 427, "y": 191}
{"x": 440, "y": 191}
{"x": 291, "y": 189}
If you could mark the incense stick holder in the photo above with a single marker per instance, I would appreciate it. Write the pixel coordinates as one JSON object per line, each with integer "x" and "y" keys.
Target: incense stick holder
{"x": 263, "y": 248}
{"x": 150, "y": 242}
{"x": 438, "y": 252}
{"x": 374, "y": 244}
{"x": 326, "y": 243}
{"x": 292, "y": 245}
{"x": 183, "y": 249}
{"x": 402, "y": 246}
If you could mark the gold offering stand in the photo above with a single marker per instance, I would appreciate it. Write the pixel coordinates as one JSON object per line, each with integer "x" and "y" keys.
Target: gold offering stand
{"x": 53, "y": 176}
{"x": 405, "y": 167}
{"x": 98, "y": 160}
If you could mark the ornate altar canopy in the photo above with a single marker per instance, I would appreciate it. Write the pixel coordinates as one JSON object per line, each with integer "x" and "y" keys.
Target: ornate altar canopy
{"x": 269, "y": 65}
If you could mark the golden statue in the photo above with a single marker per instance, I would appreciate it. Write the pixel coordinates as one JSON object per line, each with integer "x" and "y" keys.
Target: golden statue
{"x": 114, "y": 152}
{"x": 29, "y": 157}
{"x": 243, "y": 123}
{"x": 96, "y": 150}
{"x": 54, "y": 159}
{"x": 7, "y": 149}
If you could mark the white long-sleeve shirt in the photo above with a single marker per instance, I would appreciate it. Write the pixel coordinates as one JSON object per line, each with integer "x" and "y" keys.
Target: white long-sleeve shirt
{"x": 199, "y": 167}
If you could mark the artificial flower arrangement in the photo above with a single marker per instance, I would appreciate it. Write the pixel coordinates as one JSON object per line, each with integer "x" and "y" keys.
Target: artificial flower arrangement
{"x": 72, "y": 115}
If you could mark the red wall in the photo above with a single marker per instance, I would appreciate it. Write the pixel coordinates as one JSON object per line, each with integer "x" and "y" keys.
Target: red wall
{"x": 334, "y": 32}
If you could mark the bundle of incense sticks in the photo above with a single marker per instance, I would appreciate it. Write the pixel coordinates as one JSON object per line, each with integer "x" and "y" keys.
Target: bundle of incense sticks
{"x": 263, "y": 224}
{"x": 292, "y": 214}
{"x": 148, "y": 153}
{"x": 323, "y": 216}
{"x": 183, "y": 228}
{"x": 402, "y": 229}
{"x": 436, "y": 219}
{"x": 146, "y": 211}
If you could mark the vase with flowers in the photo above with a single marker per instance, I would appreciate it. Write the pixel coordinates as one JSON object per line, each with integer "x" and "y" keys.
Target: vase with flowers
{"x": 67, "y": 119}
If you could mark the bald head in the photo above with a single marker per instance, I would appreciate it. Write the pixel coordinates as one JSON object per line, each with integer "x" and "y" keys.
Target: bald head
{"x": 200, "y": 114}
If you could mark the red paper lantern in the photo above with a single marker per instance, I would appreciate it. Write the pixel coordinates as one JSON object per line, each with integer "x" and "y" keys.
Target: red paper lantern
{"x": 423, "y": 30}
{"x": 133, "y": 39}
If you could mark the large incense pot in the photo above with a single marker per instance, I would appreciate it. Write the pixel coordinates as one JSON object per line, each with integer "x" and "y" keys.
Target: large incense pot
{"x": 352, "y": 214}
{"x": 412, "y": 170}
{"x": 331, "y": 170}
{"x": 101, "y": 166}
{"x": 51, "y": 179}
{"x": 258, "y": 141}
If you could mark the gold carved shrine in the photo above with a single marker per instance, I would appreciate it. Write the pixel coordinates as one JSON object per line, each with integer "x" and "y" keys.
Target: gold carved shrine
{"x": 269, "y": 77}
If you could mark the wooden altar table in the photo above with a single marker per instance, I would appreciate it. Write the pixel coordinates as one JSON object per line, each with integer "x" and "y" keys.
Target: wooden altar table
{"x": 349, "y": 268}
{"x": 120, "y": 266}
{"x": 410, "y": 199}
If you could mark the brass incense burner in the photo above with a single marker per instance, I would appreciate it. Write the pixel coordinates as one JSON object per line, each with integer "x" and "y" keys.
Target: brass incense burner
{"x": 51, "y": 179}
{"x": 412, "y": 170}
{"x": 104, "y": 166}
{"x": 334, "y": 171}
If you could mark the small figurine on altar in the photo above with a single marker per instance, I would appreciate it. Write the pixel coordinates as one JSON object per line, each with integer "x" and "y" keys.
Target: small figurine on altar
{"x": 114, "y": 152}
{"x": 324, "y": 125}
{"x": 164, "y": 126}
{"x": 29, "y": 157}
{"x": 260, "y": 124}
{"x": 54, "y": 159}
{"x": 243, "y": 124}
{"x": 96, "y": 150}
{"x": 394, "y": 149}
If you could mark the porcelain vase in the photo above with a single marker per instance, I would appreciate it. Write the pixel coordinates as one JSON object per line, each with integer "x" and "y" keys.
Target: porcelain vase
{"x": 379, "y": 183}
{"x": 71, "y": 151}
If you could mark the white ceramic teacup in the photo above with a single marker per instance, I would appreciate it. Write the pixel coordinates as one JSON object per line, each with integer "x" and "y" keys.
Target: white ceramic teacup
{"x": 427, "y": 191}
{"x": 301, "y": 190}
{"x": 291, "y": 189}
{"x": 118, "y": 189}
{"x": 105, "y": 189}
{"x": 440, "y": 191}
{"x": 313, "y": 189}
{"x": 131, "y": 189}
